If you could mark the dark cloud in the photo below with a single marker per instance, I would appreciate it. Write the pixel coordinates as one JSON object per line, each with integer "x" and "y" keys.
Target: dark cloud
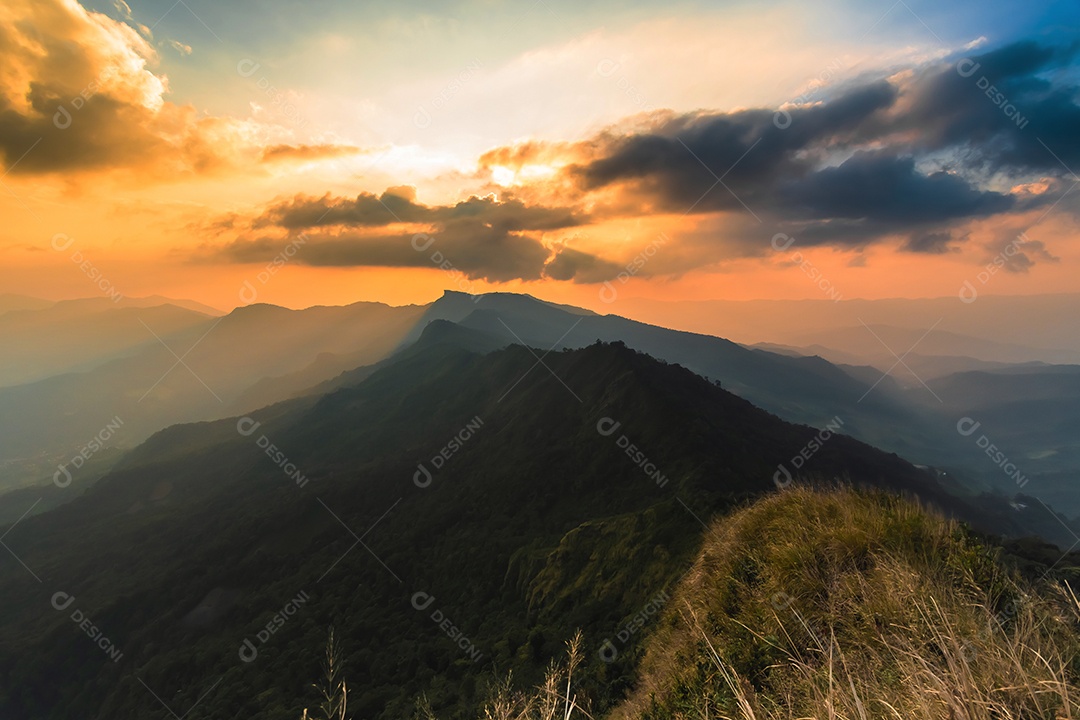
{"x": 913, "y": 157}
{"x": 366, "y": 210}
{"x": 931, "y": 243}
{"x": 887, "y": 191}
{"x": 473, "y": 248}
{"x": 1018, "y": 254}
{"x": 750, "y": 151}
{"x": 1003, "y": 106}
{"x": 481, "y": 237}
{"x": 581, "y": 267}
{"x": 396, "y": 206}
{"x": 55, "y": 134}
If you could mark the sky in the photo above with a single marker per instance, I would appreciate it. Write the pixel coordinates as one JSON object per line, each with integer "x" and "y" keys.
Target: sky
{"x": 317, "y": 152}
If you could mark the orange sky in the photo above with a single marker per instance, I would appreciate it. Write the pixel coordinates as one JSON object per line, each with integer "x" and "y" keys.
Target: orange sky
{"x": 113, "y": 182}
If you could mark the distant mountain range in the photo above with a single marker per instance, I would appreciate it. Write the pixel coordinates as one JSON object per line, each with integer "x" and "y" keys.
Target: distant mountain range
{"x": 153, "y": 366}
{"x": 1011, "y": 328}
{"x": 75, "y": 335}
{"x": 201, "y": 368}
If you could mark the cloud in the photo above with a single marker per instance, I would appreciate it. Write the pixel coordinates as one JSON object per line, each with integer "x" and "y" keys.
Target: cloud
{"x": 77, "y": 88}
{"x": 888, "y": 192}
{"x": 909, "y": 159}
{"x": 370, "y": 210}
{"x": 276, "y": 153}
{"x": 777, "y": 164}
{"x": 123, "y": 8}
{"x": 78, "y": 94}
{"x": 1002, "y": 107}
{"x": 476, "y": 250}
{"x": 179, "y": 47}
{"x": 580, "y": 266}
{"x": 931, "y": 243}
{"x": 682, "y": 157}
{"x": 482, "y": 237}
{"x": 1019, "y": 252}
{"x": 914, "y": 160}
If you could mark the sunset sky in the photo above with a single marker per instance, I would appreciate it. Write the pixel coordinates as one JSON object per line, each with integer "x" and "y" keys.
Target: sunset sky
{"x": 720, "y": 150}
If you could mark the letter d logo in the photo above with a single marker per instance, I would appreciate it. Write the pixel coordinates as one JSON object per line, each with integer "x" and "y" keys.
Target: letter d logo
{"x": 782, "y": 241}
{"x": 62, "y": 601}
{"x": 966, "y": 426}
{"x": 421, "y": 242}
{"x": 782, "y": 477}
{"x": 248, "y": 651}
{"x": 248, "y": 294}
{"x": 422, "y": 477}
{"x": 62, "y": 118}
{"x": 607, "y": 426}
{"x": 245, "y": 426}
{"x": 61, "y": 242}
{"x": 62, "y": 476}
{"x": 608, "y": 293}
{"x": 246, "y": 68}
{"x": 421, "y": 119}
{"x": 422, "y": 601}
{"x": 968, "y": 293}
{"x": 967, "y": 67}
{"x": 608, "y": 651}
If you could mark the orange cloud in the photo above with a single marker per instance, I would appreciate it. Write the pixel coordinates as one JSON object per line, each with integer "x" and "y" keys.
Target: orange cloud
{"x": 78, "y": 94}
{"x": 300, "y": 153}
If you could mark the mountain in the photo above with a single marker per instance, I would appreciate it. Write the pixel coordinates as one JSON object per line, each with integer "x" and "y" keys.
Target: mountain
{"x": 179, "y": 368}
{"x": 521, "y": 501}
{"x": 262, "y": 354}
{"x": 78, "y": 335}
{"x": 907, "y": 419}
{"x": 1048, "y": 323}
{"x": 9, "y": 302}
{"x": 799, "y": 389}
{"x": 873, "y": 342}
{"x": 919, "y": 367}
{"x": 1029, "y": 416}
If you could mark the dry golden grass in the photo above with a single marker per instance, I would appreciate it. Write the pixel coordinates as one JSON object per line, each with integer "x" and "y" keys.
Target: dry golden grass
{"x": 850, "y": 605}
